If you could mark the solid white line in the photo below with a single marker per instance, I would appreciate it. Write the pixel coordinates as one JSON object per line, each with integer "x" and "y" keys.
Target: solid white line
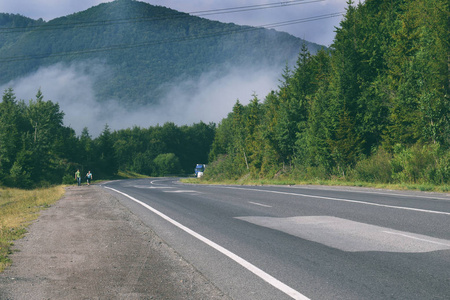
{"x": 416, "y": 238}
{"x": 153, "y": 187}
{"x": 255, "y": 270}
{"x": 406, "y": 195}
{"x": 344, "y": 200}
{"x": 182, "y": 191}
{"x": 263, "y": 205}
{"x": 389, "y": 194}
{"x": 153, "y": 181}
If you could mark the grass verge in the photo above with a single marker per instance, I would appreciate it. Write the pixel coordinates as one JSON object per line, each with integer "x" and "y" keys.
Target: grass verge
{"x": 18, "y": 208}
{"x": 129, "y": 175}
{"x": 417, "y": 187}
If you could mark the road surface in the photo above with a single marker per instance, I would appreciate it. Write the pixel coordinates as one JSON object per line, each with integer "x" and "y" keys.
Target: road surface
{"x": 301, "y": 242}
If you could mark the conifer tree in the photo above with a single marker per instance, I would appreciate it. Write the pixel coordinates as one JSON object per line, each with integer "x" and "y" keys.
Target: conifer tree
{"x": 10, "y": 135}
{"x": 105, "y": 160}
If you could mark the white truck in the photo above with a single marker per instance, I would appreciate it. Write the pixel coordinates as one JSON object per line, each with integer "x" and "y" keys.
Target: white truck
{"x": 199, "y": 169}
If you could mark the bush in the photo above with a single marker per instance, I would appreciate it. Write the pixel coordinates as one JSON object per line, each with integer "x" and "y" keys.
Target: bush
{"x": 317, "y": 173}
{"x": 376, "y": 168}
{"x": 167, "y": 164}
{"x": 68, "y": 179}
{"x": 143, "y": 164}
{"x": 223, "y": 168}
{"x": 440, "y": 172}
{"x": 421, "y": 164}
{"x": 19, "y": 177}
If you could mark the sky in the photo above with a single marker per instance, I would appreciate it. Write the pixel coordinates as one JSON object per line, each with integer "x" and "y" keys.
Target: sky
{"x": 72, "y": 86}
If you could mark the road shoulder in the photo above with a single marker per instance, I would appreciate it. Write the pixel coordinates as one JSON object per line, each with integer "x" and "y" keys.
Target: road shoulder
{"x": 89, "y": 246}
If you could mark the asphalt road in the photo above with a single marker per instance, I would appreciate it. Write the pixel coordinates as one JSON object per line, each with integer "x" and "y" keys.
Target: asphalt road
{"x": 278, "y": 242}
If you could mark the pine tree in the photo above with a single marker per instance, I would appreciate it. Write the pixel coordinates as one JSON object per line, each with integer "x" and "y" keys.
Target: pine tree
{"x": 106, "y": 163}
{"x": 10, "y": 132}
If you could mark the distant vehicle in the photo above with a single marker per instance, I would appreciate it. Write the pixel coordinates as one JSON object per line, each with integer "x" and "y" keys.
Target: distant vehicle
{"x": 199, "y": 169}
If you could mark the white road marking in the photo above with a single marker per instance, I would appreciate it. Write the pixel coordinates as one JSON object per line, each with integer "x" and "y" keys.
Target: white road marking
{"x": 252, "y": 268}
{"x": 153, "y": 181}
{"x": 182, "y": 191}
{"x": 153, "y": 187}
{"x": 106, "y": 182}
{"x": 406, "y": 195}
{"x": 158, "y": 180}
{"x": 259, "y": 204}
{"x": 344, "y": 200}
{"x": 431, "y": 197}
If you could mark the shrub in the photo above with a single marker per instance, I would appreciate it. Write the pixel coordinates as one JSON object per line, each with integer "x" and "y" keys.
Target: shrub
{"x": 167, "y": 164}
{"x": 143, "y": 164}
{"x": 68, "y": 179}
{"x": 421, "y": 164}
{"x": 223, "y": 168}
{"x": 377, "y": 168}
{"x": 440, "y": 172}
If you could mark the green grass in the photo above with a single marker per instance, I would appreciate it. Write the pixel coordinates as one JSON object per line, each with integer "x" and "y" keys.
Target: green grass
{"x": 129, "y": 175}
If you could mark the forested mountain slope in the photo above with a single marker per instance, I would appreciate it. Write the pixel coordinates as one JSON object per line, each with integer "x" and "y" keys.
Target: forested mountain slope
{"x": 375, "y": 108}
{"x": 143, "y": 46}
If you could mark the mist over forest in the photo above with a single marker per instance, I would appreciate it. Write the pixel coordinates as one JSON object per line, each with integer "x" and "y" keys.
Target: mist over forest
{"x": 128, "y": 63}
{"x": 211, "y": 96}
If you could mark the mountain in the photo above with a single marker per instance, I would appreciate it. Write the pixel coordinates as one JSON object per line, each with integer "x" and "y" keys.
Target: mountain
{"x": 144, "y": 48}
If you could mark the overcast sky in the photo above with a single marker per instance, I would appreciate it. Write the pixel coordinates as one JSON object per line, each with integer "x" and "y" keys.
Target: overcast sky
{"x": 320, "y": 31}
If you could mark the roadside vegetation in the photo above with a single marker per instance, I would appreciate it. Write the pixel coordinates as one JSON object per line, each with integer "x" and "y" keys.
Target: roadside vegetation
{"x": 18, "y": 208}
{"x": 425, "y": 187}
{"x": 373, "y": 108}
{"x": 421, "y": 167}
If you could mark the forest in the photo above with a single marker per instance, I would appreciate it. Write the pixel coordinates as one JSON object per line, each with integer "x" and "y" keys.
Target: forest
{"x": 372, "y": 108}
{"x": 37, "y": 150}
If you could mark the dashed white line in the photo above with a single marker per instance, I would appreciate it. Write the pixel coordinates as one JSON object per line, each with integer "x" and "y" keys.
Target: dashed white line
{"x": 153, "y": 187}
{"x": 344, "y": 200}
{"x": 259, "y": 204}
{"x": 182, "y": 191}
{"x": 252, "y": 268}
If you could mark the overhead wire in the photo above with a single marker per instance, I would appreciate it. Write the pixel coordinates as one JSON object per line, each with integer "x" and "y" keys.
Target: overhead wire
{"x": 165, "y": 41}
{"x": 252, "y": 7}
{"x": 303, "y": 20}
{"x": 52, "y": 26}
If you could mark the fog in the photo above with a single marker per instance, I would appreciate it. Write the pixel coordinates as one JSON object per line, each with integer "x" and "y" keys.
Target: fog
{"x": 73, "y": 88}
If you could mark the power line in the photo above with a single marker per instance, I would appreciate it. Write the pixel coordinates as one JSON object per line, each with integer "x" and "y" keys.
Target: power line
{"x": 165, "y": 41}
{"x": 69, "y": 25}
{"x": 303, "y": 20}
{"x": 252, "y": 7}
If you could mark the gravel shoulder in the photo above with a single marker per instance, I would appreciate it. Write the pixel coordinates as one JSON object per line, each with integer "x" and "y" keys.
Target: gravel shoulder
{"x": 89, "y": 246}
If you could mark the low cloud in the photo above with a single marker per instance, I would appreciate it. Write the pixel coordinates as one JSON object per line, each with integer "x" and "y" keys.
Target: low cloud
{"x": 209, "y": 98}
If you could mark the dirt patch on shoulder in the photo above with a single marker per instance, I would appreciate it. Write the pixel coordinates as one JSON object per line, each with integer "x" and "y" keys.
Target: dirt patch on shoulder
{"x": 89, "y": 246}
